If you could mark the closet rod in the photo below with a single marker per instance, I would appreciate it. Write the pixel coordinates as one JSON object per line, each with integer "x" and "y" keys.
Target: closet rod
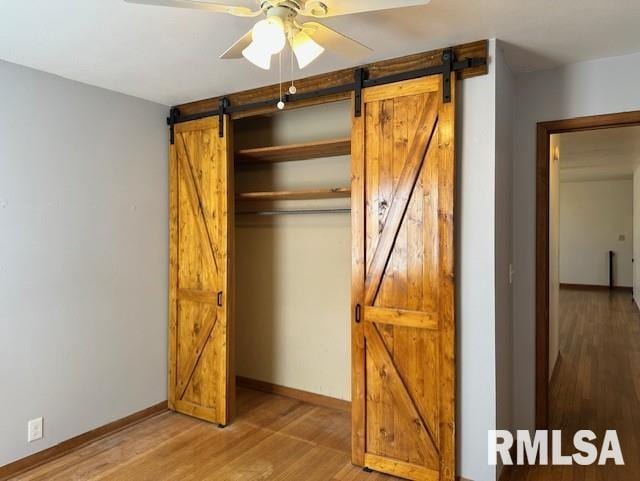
{"x": 295, "y": 212}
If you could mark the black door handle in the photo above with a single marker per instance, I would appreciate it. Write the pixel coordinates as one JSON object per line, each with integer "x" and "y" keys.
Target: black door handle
{"x": 358, "y": 313}
{"x": 220, "y": 299}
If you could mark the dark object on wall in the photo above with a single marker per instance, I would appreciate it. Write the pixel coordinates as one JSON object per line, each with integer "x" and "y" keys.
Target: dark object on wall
{"x": 611, "y": 255}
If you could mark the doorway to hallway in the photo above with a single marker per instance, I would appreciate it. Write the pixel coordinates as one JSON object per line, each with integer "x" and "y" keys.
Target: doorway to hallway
{"x": 586, "y": 388}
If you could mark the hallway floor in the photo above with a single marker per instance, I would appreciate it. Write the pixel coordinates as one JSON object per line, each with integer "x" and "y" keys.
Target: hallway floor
{"x": 597, "y": 384}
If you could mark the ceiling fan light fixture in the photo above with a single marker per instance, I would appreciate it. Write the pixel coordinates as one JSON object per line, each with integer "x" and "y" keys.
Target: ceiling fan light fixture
{"x": 257, "y": 55}
{"x": 270, "y": 34}
{"x": 305, "y": 49}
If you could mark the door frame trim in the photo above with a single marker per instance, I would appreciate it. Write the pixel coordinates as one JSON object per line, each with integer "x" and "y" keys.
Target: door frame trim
{"x": 544, "y": 130}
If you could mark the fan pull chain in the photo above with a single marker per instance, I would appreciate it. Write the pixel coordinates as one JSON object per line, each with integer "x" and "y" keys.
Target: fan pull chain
{"x": 292, "y": 89}
{"x": 281, "y": 102}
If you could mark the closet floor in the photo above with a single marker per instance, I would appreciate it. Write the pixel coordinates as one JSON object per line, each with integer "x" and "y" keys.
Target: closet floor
{"x": 272, "y": 437}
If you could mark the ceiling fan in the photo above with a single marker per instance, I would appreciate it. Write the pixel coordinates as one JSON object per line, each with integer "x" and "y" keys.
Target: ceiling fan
{"x": 308, "y": 40}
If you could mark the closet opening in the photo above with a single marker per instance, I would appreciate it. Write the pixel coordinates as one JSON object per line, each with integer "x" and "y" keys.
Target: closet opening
{"x": 292, "y": 255}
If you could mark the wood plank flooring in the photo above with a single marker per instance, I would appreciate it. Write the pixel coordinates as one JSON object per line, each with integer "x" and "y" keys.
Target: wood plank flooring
{"x": 597, "y": 385}
{"x": 273, "y": 438}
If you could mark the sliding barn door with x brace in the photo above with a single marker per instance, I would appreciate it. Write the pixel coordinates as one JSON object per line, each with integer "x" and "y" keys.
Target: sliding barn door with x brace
{"x": 201, "y": 378}
{"x": 403, "y": 286}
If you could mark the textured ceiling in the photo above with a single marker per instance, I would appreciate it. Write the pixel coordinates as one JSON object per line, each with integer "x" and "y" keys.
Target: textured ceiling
{"x": 599, "y": 154}
{"x": 171, "y": 55}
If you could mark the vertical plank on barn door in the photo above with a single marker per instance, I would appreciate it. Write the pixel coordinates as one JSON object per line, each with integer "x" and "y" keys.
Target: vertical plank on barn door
{"x": 201, "y": 381}
{"x": 402, "y": 281}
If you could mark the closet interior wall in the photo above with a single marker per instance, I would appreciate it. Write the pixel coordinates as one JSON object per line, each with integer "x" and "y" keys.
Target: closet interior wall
{"x": 293, "y": 271}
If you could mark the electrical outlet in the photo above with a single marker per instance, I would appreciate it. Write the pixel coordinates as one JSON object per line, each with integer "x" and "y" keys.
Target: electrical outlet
{"x": 34, "y": 428}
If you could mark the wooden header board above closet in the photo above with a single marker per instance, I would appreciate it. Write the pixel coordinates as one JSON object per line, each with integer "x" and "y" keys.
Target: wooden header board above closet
{"x": 376, "y": 70}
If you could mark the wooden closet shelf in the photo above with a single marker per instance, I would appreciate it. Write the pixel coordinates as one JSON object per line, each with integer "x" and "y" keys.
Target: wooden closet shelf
{"x": 284, "y": 153}
{"x": 297, "y": 194}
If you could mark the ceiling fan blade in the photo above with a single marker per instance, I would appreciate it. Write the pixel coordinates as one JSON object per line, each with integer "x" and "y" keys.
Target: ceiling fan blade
{"x": 314, "y": 8}
{"x": 201, "y": 5}
{"x": 336, "y": 42}
{"x": 235, "y": 51}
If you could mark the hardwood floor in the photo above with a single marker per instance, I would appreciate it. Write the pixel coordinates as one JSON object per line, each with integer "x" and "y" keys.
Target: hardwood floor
{"x": 597, "y": 385}
{"x": 273, "y": 438}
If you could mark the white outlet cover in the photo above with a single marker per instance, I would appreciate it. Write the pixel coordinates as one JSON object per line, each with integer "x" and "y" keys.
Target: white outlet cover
{"x": 34, "y": 428}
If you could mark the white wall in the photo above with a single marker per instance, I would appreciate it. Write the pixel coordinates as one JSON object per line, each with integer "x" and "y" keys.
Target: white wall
{"x": 476, "y": 271}
{"x": 503, "y": 198}
{"x": 571, "y": 91}
{"x": 83, "y": 257}
{"x": 636, "y": 236}
{"x": 593, "y": 215}
{"x": 554, "y": 254}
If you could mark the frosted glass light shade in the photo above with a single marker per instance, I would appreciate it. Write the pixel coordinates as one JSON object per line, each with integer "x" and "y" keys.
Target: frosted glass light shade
{"x": 305, "y": 49}
{"x": 269, "y": 34}
{"x": 257, "y": 55}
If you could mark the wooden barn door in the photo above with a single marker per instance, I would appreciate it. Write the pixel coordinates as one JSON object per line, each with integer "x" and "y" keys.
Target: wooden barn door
{"x": 403, "y": 285}
{"x": 201, "y": 209}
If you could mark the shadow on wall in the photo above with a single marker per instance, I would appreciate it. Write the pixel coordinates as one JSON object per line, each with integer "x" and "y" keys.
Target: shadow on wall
{"x": 458, "y": 230}
{"x": 255, "y": 267}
